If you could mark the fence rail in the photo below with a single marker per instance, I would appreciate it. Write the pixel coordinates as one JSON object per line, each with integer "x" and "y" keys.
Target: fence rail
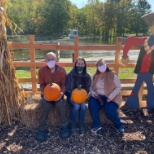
{"x": 33, "y": 64}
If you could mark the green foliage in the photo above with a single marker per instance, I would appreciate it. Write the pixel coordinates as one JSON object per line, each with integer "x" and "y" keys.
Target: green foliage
{"x": 23, "y": 13}
{"x": 144, "y": 4}
{"x": 57, "y": 17}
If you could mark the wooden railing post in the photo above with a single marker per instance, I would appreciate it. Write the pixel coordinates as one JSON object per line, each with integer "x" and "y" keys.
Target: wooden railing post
{"x": 117, "y": 56}
{"x": 76, "y": 48}
{"x": 33, "y": 67}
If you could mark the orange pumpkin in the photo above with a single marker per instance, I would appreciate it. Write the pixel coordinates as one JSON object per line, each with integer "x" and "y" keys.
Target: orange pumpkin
{"x": 52, "y": 91}
{"x": 79, "y": 95}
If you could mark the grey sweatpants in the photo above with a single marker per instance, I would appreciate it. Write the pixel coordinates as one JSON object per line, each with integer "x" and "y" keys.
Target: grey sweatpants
{"x": 46, "y": 107}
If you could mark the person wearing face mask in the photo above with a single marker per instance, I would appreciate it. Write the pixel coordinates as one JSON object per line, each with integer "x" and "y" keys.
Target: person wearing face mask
{"x": 77, "y": 76}
{"x": 56, "y": 74}
{"x": 105, "y": 95}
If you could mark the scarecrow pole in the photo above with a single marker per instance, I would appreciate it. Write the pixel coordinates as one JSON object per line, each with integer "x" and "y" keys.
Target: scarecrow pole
{"x": 11, "y": 96}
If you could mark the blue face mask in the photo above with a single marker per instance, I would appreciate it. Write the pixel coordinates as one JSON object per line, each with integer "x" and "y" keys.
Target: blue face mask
{"x": 79, "y": 68}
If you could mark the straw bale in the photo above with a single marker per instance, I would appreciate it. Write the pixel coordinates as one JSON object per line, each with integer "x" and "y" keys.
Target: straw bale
{"x": 30, "y": 111}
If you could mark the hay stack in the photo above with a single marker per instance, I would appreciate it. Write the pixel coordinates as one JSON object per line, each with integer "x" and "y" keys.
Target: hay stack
{"x": 30, "y": 111}
{"x": 11, "y": 95}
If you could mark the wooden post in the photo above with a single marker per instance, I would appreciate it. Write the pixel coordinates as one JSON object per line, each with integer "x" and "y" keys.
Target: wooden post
{"x": 140, "y": 96}
{"x": 117, "y": 55}
{"x": 33, "y": 67}
{"x": 76, "y": 50}
{"x": 12, "y": 55}
{"x": 58, "y": 52}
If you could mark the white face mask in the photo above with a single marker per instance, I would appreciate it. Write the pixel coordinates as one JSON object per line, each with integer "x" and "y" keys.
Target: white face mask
{"x": 51, "y": 63}
{"x": 102, "y": 68}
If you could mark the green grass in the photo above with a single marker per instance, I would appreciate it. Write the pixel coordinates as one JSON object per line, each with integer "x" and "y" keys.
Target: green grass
{"x": 23, "y": 74}
{"x": 124, "y": 73}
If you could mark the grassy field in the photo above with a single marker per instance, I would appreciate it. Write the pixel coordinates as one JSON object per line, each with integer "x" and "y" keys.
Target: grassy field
{"x": 123, "y": 72}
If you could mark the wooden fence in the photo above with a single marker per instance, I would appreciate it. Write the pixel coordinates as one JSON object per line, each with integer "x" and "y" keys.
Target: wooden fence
{"x": 32, "y": 46}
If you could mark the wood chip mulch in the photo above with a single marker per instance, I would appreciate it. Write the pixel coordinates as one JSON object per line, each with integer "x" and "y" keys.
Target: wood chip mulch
{"x": 138, "y": 138}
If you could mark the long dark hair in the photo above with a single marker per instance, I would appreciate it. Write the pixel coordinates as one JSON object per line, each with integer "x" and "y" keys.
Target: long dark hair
{"x": 83, "y": 74}
{"x": 84, "y": 69}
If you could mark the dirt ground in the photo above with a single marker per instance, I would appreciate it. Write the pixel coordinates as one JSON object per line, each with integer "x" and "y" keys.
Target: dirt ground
{"x": 138, "y": 138}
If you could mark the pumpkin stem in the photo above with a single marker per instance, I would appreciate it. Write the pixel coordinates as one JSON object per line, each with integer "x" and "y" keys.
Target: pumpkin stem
{"x": 79, "y": 87}
{"x": 50, "y": 83}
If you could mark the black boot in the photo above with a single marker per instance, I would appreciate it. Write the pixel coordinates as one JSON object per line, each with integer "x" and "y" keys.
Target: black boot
{"x": 82, "y": 128}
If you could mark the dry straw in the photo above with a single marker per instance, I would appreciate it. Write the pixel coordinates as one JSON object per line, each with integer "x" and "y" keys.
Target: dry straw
{"x": 11, "y": 95}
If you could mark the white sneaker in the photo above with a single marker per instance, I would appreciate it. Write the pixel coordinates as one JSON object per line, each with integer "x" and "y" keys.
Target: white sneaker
{"x": 95, "y": 130}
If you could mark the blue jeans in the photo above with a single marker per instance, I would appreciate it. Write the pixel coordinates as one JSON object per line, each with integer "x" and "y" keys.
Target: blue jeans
{"x": 110, "y": 110}
{"x": 133, "y": 100}
{"x": 77, "y": 109}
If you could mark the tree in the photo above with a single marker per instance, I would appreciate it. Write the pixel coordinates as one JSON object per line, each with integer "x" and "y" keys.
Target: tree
{"x": 108, "y": 19}
{"x": 144, "y": 4}
{"x": 23, "y": 13}
{"x": 73, "y": 21}
{"x": 55, "y": 17}
{"x": 92, "y": 18}
{"x": 137, "y": 25}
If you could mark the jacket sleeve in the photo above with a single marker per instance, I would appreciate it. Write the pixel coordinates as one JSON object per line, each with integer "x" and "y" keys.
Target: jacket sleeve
{"x": 88, "y": 83}
{"x": 41, "y": 80}
{"x": 92, "y": 91}
{"x": 130, "y": 42}
{"x": 63, "y": 87}
{"x": 69, "y": 83}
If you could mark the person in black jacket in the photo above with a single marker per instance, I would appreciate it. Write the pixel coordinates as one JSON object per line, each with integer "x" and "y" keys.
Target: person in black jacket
{"x": 77, "y": 76}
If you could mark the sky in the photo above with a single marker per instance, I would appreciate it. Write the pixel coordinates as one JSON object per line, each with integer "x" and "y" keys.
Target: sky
{"x": 81, "y": 3}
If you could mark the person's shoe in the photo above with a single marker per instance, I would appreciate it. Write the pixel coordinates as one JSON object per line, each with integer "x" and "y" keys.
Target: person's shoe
{"x": 126, "y": 109}
{"x": 121, "y": 130}
{"x": 82, "y": 129}
{"x": 96, "y": 129}
{"x": 65, "y": 132}
{"x": 46, "y": 131}
{"x": 41, "y": 136}
{"x": 73, "y": 127}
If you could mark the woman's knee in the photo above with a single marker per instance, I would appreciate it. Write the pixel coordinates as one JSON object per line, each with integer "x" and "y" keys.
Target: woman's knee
{"x": 110, "y": 108}
{"x": 92, "y": 101}
{"x": 75, "y": 106}
{"x": 83, "y": 106}
{"x": 93, "y": 104}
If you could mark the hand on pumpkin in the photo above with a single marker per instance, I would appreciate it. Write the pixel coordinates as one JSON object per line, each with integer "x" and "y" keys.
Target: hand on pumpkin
{"x": 61, "y": 94}
{"x": 45, "y": 98}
